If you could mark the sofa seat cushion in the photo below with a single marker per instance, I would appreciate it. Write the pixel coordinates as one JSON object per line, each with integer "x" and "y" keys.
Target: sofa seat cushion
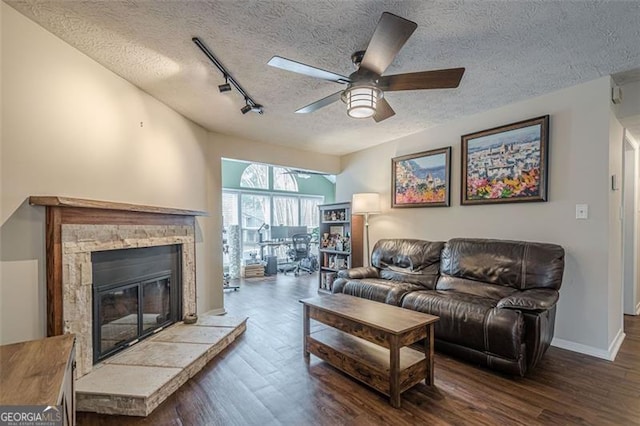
{"x": 379, "y": 290}
{"x": 476, "y": 288}
{"x": 472, "y": 321}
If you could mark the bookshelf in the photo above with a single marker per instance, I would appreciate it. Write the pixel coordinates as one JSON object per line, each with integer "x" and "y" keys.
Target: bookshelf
{"x": 340, "y": 242}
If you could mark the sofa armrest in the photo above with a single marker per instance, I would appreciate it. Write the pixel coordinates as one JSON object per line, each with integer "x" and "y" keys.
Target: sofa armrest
{"x": 540, "y": 299}
{"x": 360, "y": 272}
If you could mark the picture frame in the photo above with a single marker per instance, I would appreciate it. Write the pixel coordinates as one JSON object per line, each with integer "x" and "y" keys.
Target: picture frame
{"x": 336, "y": 230}
{"x": 421, "y": 179}
{"x": 506, "y": 164}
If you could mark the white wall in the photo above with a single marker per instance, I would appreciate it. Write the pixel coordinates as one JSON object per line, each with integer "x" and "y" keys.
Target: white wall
{"x": 616, "y": 156}
{"x": 630, "y": 235}
{"x": 71, "y": 127}
{"x": 630, "y": 105}
{"x": 579, "y": 170}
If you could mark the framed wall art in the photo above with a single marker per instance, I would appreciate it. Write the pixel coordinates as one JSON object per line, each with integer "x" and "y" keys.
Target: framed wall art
{"x": 506, "y": 164}
{"x": 422, "y": 179}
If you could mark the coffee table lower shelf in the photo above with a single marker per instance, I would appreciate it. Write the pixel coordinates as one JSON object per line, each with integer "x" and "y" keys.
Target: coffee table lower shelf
{"x": 365, "y": 361}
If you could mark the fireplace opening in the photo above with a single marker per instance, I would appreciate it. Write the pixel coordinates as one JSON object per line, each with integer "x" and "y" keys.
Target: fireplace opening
{"x": 136, "y": 293}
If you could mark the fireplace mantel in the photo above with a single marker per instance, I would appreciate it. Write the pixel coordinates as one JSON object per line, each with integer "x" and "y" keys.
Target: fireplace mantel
{"x": 58, "y": 201}
{"x": 69, "y": 211}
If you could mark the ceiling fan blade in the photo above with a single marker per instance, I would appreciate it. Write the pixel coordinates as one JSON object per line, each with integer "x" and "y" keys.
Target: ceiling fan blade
{"x": 383, "y": 111}
{"x": 388, "y": 38}
{"x": 319, "y": 104}
{"x": 438, "y": 79}
{"x": 300, "y": 68}
{"x": 304, "y": 172}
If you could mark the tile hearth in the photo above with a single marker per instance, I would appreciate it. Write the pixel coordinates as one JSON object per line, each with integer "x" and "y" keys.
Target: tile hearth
{"x": 137, "y": 380}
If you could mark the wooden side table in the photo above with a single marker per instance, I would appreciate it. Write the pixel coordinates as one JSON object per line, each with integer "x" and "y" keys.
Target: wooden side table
{"x": 40, "y": 372}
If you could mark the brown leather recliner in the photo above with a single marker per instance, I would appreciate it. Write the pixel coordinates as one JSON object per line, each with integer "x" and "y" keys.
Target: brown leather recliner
{"x": 399, "y": 266}
{"x": 496, "y": 299}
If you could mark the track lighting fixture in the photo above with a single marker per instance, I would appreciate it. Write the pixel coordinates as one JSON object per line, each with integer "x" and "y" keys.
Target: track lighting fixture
{"x": 226, "y": 87}
{"x": 250, "y": 104}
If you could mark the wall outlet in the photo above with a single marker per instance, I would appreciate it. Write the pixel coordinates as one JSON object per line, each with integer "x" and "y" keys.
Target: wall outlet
{"x": 582, "y": 211}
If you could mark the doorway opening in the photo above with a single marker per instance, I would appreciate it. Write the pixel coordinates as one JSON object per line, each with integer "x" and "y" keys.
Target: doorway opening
{"x": 264, "y": 206}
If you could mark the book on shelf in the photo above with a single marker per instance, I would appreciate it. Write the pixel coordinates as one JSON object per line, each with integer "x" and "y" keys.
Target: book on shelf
{"x": 327, "y": 280}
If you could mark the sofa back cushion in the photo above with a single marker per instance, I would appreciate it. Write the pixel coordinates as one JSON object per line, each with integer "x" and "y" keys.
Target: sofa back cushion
{"x": 407, "y": 260}
{"x": 517, "y": 264}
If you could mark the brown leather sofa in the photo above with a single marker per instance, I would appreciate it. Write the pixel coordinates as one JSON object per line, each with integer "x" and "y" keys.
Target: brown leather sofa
{"x": 496, "y": 299}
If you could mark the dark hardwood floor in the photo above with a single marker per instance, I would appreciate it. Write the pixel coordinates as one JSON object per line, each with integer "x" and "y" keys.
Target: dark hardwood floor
{"x": 262, "y": 379}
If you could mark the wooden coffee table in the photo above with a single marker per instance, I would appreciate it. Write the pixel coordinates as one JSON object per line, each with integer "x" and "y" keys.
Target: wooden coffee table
{"x": 368, "y": 341}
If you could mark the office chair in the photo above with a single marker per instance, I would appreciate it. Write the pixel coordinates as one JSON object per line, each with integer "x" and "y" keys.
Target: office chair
{"x": 300, "y": 254}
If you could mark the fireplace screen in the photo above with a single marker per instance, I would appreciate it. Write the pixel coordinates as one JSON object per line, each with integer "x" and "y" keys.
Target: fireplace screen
{"x": 128, "y": 310}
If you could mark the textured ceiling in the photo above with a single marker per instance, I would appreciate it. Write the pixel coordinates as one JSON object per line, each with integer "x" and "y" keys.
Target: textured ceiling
{"x": 512, "y": 50}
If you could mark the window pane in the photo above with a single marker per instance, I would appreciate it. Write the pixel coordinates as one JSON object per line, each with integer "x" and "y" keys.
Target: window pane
{"x": 285, "y": 210}
{"x": 255, "y": 212}
{"x": 255, "y": 176}
{"x": 309, "y": 214}
{"x": 230, "y": 216}
{"x": 229, "y": 209}
{"x": 283, "y": 180}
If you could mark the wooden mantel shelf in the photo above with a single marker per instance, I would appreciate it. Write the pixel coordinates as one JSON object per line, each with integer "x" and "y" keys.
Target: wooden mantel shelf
{"x": 57, "y": 201}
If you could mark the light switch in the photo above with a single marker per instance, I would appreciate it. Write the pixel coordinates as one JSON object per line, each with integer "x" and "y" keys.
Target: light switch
{"x": 582, "y": 211}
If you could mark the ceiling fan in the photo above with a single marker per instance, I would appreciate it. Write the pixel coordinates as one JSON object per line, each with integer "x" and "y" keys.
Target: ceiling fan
{"x": 366, "y": 86}
{"x": 304, "y": 174}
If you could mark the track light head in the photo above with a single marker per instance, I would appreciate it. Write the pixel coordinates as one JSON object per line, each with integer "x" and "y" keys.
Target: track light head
{"x": 226, "y": 87}
{"x": 251, "y": 107}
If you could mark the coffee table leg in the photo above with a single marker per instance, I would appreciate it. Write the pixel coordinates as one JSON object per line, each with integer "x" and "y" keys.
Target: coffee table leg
{"x": 429, "y": 354}
{"x": 305, "y": 331}
{"x": 394, "y": 372}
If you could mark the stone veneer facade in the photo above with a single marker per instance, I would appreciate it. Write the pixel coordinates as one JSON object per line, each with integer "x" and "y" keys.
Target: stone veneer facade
{"x": 78, "y": 241}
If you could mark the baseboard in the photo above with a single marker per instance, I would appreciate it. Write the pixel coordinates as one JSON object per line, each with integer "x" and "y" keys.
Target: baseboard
{"x": 218, "y": 311}
{"x": 609, "y": 354}
{"x": 614, "y": 347}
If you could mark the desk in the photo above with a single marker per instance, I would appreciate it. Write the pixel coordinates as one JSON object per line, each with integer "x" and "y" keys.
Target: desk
{"x": 288, "y": 243}
{"x": 272, "y": 244}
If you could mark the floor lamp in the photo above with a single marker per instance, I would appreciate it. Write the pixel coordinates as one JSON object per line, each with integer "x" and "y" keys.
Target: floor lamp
{"x": 366, "y": 203}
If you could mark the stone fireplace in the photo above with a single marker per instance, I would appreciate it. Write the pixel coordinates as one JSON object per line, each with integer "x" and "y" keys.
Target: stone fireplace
{"x": 78, "y": 229}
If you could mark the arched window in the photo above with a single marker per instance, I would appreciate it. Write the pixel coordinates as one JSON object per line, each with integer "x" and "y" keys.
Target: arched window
{"x": 255, "y": 176}
{"x": 283, "y": 180}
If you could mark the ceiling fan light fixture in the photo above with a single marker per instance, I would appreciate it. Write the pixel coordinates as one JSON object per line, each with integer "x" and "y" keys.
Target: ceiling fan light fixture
{"x": 362, "y": 101}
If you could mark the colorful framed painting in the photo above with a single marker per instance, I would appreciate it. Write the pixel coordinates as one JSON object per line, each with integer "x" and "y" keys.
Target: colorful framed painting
{"x": 422, "y": 179}
{"x": 506, "y": 164}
